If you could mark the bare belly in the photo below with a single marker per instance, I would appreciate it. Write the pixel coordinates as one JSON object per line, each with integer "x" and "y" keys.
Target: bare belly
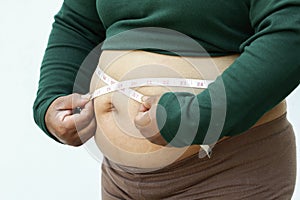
{"x": 116, "y": 135}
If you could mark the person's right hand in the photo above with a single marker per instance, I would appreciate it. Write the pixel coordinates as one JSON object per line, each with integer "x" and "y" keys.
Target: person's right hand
{"x": 68, "y": 127}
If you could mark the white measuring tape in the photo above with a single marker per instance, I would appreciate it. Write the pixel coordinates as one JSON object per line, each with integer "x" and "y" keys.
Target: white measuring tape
{"x": 124, "y": 87}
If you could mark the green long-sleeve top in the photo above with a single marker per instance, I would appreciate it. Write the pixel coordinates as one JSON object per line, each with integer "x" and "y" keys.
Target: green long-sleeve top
{"x": 265, "y": 32}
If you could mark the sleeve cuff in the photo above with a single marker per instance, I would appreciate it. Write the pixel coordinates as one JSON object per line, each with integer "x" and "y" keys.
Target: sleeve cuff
{"x": 39, "y": 117}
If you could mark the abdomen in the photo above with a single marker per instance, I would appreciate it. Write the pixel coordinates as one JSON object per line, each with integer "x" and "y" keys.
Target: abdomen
{"x": 116, "y": 135}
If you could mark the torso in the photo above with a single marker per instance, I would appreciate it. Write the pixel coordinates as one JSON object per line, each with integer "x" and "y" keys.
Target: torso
{"x": 116, "y": 135}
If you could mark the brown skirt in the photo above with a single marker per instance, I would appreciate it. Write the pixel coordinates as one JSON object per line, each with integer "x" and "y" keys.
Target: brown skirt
{"x": 259, "y": 164}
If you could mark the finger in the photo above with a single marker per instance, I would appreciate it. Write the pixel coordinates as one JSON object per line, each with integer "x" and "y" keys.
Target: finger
{"x": 68, "y": 123}
{"x": 82, "y": 119}
{"x": 142, "y": 119}
{"x": 65, "y": 135}
{"x": 148, "y": 101}
{"x": 147, "y": 117}
{"x": 72, "y": 101}
{"x": 61, "y": 115}
{"x": 143, "y": 108}
{"x": 77, "y": 138}
{"x": 55, "y": 123}
{"x": 146, "y": 125}
{"x": 149, "y": 131}
{"x": 88, "y": 132}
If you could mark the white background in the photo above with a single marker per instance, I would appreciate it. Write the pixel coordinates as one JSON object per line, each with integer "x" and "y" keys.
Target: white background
{"x": 33, "y": 167}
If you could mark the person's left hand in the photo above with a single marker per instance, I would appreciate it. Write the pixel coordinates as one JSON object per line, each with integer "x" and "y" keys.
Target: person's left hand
{"x": 145, "y": 120}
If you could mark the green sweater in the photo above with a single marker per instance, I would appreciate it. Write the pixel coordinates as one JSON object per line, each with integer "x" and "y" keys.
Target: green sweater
{"x": 265, "y": 32}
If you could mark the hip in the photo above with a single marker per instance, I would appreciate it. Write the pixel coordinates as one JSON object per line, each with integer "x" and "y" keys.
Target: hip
{"x": 258, "y": 164}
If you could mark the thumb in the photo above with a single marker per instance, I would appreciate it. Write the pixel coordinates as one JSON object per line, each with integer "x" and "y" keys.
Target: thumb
{"x": 142, "y": 119}
{"x": 72, "y": 101}
{"x": 148, "y": 101}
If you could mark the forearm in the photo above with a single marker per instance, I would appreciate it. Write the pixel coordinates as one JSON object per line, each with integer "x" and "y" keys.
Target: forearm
{"x": 76, "y": 31}
{"x": 265, "y": 73}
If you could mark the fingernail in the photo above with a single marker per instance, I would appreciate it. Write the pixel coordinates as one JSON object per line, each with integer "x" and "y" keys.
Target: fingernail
{"x": 86, "y": 96}
{"x": 143, "y": 119}
{"x": 144, "y": 115}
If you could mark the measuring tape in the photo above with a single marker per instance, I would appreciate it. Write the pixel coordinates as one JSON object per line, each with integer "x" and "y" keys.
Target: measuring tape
{"x": 124, "y": 87}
